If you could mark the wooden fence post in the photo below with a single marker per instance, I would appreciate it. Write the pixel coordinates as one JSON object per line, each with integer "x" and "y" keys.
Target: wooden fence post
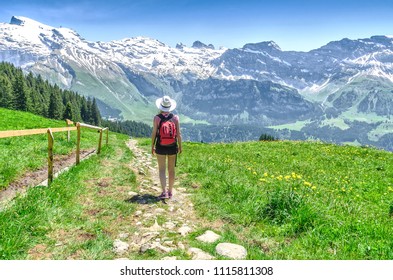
{"x": 68, "y": 122}
{"x": 50, "y": 156}
{"x": 78, "y": 142}
{"x": 107, "y": 135}
{"x": 99, "y": 142}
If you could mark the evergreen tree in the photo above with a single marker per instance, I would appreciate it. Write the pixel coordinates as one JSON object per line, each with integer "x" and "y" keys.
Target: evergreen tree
{"x": 55, "y": 106}
{"x": 5, "y": 92}
{"x": 84, "y": 111}
{"x": 95, "y": 113}
{"x": 33, "y": 94}
{"x": 21, "y": 100}
{"x": 68, "y": 112}
{"x": 267, "y": 137}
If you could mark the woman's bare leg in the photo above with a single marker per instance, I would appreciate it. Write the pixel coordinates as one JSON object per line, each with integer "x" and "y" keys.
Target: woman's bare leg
{"x": 161, "y": 160}
{"x": 171, "y": 171}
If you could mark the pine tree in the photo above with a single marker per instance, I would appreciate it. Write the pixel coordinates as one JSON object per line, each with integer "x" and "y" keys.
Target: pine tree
{"x": 55, "y": 106}
{"x": 68, "y": 112}
{"x": 267, "y": 137}
{"x": 95, "y": 113}
{"x": 21, "y": 100}
{"x": 33, "y": 94}
{"x": 84, "y": 111}
{"x": 5, "y": 92}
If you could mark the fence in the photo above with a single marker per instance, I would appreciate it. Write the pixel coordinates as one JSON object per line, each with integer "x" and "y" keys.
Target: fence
{"x": 50, "y": 131}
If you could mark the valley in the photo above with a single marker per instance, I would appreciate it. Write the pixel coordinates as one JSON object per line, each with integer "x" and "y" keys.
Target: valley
{"x": 340, "y": 92}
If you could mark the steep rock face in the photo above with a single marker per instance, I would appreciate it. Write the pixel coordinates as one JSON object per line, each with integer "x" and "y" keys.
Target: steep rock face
{"x": 379, "y": 102}
{"x": 244, "y": 101}
{"x": 200, "y": 45}
{"x": 16, "y": 21}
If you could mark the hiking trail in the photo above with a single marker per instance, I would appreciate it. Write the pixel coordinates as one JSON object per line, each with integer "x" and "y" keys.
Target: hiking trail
{"x": 178, "y": 216}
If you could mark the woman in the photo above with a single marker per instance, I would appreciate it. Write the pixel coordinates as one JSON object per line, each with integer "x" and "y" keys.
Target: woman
{"x": 163, "y": 146}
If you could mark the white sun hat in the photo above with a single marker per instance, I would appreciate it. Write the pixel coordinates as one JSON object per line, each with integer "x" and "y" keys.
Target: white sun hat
{"x": 166, "y": 104}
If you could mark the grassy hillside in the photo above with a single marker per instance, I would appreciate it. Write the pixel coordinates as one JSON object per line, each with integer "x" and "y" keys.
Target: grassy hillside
{"x": 281, "y": 200}
{"x": 76, "y": 211}
{"x": 21, "y": 154}
{"x": 296, "y": 200}
{"x": 78, "y": 216}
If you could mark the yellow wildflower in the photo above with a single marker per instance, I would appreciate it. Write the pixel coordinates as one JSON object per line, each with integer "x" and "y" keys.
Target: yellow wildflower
{"x": 308, "y": 184}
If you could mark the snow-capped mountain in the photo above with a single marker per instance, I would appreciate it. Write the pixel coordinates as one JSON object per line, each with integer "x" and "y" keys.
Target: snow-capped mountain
{"x": 140, "y": 53}
{"x": 341, "y": 83}
{"x": 102, "y": 69}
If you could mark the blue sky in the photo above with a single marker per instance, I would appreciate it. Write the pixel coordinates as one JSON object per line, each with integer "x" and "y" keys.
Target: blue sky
{"x": 294, "y": 25}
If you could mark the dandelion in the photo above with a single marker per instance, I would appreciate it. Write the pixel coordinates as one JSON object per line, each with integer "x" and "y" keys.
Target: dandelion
{"x": 265, "y": 174}
{"x": 308, "y": 184}
{"x": 313, "y": 187}
{"x": 254, "y": 173}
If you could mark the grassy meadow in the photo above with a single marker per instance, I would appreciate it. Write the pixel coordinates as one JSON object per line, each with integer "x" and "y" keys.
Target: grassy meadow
{"x": 74, "y": 217}
{"x": 28, "y": 153}
{"x": 78, "y": 216}
{"x": 295, "y": 200}
{"x": 281, "y": 199}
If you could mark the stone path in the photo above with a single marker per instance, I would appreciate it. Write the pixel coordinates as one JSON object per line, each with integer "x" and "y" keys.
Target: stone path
{"x": 164, "y": 225}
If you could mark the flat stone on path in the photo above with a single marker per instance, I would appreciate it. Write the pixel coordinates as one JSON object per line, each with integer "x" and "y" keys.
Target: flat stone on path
{"x": 198, "y": 254}
{"x": 232, "y": 251}
{"x": 124, "y": 235}
{"x": 169, "y": 225}
{"x": 184, "y": 230}
{"x": 208, "y": 237}
{"x": 155, "y": 245}
{"x": 155, "y": 227}
{"x": 120, "y": 246}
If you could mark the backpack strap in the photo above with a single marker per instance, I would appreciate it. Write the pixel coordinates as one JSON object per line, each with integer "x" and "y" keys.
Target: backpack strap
{"x": 162, "y": 119}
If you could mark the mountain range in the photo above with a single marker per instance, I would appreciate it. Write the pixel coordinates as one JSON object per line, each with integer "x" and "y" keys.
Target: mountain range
{"x": 341, "y": 92}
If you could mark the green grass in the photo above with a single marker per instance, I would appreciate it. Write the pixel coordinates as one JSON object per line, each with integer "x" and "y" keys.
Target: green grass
{"x": 26, "y": 153}
{"x": 296, "y": 200}
{"x": 77, "y": 217}
{"x": 281, "y": 200}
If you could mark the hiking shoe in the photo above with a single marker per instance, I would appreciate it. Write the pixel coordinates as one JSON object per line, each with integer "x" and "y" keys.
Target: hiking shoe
{"x": 170, "y": 194}
{"x": 164, "y": 195}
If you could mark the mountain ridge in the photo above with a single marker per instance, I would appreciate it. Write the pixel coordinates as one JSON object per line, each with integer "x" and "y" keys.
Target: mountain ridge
{"x": 345, "y": 80}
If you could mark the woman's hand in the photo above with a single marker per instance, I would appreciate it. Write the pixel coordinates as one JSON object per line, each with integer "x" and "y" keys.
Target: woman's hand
{"x": 153, "y": 151}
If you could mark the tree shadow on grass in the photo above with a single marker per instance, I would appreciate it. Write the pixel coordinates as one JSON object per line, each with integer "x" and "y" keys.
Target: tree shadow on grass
{"x": 144, "y": 199}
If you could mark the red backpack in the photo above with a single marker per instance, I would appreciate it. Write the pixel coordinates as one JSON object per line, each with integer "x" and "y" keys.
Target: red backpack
{"x": 166, "y": 130}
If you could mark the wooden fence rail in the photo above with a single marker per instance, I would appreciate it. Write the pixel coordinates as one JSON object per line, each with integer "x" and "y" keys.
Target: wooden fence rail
{"x": 50, "y": 131}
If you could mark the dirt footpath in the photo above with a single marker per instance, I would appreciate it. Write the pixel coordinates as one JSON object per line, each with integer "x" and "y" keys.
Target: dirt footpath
{"x": 38, "y": 177}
